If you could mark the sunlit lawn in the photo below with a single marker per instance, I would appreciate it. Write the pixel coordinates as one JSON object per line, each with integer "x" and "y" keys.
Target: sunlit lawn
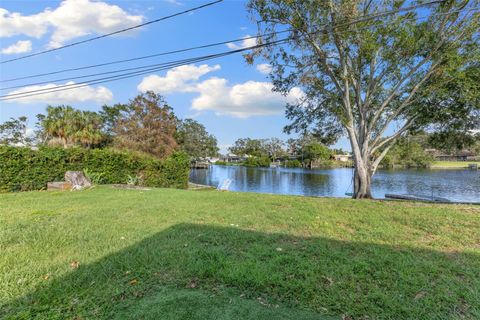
{"x": 453, "y": 164}
{"x": 172, "y": 254}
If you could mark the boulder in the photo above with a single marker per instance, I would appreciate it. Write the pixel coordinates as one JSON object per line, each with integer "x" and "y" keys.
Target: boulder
{"x": 77, "y": 179}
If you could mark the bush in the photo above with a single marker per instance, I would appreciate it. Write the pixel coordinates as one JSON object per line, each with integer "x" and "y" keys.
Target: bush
{"x": 293, "y": 163}
{"x": 23, "y": 169}
{"x": 257, "y": 162}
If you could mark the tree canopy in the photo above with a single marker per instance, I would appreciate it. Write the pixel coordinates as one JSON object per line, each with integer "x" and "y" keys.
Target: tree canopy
{"x": 147, "y": 124}
{"x": 14, "y": 132}
{"x": 250, "y": 147}
{"x": 70, "y": 126}
{"x": 193, "y": 138}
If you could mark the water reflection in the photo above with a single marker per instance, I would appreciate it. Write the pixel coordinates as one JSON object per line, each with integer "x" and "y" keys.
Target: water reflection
{"x": 456, "y": 185}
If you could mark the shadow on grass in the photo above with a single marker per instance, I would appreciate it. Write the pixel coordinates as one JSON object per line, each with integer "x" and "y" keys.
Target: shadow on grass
{"x": 202, "y": 272}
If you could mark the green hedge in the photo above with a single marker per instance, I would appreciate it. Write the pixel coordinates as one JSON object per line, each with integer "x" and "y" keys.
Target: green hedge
{"x": 23, "y": 169}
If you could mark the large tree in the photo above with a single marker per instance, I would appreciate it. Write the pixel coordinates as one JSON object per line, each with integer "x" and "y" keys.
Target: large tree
{"x": 70, "y": 126}
{"x": 147, "y": 124}
{"x": 275, "y": 148}
{"x": 14, "y": 132}
{"x": 193, "y": 138}
{"x": 250, "y": 147}
{"x": 365, "y": 67}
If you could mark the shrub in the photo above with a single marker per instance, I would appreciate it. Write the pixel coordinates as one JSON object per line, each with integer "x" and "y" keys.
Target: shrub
{"x": 257, "y": 162}
{"x": 94, "y": 177}
{"x": 23, "y": 169}
{"x": 293, "y": 163}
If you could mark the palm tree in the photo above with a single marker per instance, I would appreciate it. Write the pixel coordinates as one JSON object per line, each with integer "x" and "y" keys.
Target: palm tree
{"x": 62, "y": 122}
{"x": 90, "y": 131}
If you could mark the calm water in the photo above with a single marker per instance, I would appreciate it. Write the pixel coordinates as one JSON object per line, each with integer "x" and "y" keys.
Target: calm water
{"x": 455, "y": 185}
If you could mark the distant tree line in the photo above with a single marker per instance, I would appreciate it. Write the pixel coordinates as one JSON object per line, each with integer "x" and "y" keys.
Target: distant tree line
{"x": 306, "y": 151}
{"x": 414, "y": 150}
{"x": 146, "y": 124}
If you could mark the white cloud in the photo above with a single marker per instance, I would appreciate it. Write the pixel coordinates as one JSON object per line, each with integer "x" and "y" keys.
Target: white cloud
{"x": 175, "y": 2}
{"x": 244, "y": 44}
{"x": 264, "y": 68}
{"x": 14, "y": 23}
{"x": 251, "y": 98}
{"x": 20, "y": 46}
{"x": 179, "y": 79}
{"x": 72, "y": 19}
{"x": 98, "y": 94}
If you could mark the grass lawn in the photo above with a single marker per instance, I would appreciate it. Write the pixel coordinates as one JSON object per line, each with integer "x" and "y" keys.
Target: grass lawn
{"x": 453, "y": 164}
{"x": 175, "y": 254}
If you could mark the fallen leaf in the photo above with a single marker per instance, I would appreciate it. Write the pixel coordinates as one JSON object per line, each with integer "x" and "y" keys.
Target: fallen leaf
{"x": 328, "y": 280}
{"x": 74, "y": 264}
{"x": 420, "y": 295}
{"x": 133, "y": 282}
{"x": 192, "y": 284}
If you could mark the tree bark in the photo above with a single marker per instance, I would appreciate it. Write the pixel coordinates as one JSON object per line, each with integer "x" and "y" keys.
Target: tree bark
{"x": 362, "y": 179}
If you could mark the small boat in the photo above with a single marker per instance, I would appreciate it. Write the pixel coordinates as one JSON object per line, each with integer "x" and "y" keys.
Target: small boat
{"x": 415, "y": 197}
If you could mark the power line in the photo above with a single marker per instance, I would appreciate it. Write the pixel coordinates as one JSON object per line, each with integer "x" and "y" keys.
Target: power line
{"x": 166, "y": 63}
{"x": 167, "y": 66}
{"x": 133, "y": 74}
{"x": 206, "y": 46}
{"x": 158, "y": 67}
{"x": 115, "y": 32}
{"x": 141, "y": 57}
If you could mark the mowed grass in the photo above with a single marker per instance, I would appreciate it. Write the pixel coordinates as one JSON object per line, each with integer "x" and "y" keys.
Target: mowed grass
{"x": 174, "y": 254}
{"x": 453, "y": 164}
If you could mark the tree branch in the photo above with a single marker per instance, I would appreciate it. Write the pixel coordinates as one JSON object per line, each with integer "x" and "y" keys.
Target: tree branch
{"x": 395, "y": 136}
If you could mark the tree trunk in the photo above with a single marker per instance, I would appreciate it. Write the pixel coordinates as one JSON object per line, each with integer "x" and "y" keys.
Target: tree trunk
{"x": 362, "y": 180}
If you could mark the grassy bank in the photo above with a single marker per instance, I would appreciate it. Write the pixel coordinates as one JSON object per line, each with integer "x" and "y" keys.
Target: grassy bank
{"x": 452, "y": 164}
{"x": 175, "y": 254}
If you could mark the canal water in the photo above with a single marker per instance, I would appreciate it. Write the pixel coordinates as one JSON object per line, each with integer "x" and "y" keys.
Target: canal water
{"x": 455, "y": 185}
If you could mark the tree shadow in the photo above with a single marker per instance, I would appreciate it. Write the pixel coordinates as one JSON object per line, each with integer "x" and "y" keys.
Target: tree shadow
{"x": 192, "y": 271}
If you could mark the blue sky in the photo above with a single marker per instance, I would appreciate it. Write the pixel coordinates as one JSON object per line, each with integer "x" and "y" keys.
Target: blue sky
{"x": 232, "y": 99}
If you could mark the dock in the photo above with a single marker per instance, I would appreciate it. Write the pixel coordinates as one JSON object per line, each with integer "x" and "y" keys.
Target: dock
{"x": 199, "y": 165}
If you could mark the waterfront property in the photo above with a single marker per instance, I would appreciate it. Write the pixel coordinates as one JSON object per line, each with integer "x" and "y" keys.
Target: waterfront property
{"x": 177, "y": 254}
{"x": 463, "y": 155}
{"x": 342, "y": 157}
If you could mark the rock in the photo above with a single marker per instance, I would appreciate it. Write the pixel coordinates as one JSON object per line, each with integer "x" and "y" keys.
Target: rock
{"x": 59, "y": 185}
{"x": 77, "y": 179}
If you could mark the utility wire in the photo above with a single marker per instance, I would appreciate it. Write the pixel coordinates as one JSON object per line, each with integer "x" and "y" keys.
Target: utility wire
{"x": 132, "y": 74}
{"x": 142, "y": 57}
{"x": 164, "y": 66}
{"x": 114, "y": 33}
{"x": 122, "y": 76}
{"x": 204, "y": 46}
{"x": 166, "y": 63}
